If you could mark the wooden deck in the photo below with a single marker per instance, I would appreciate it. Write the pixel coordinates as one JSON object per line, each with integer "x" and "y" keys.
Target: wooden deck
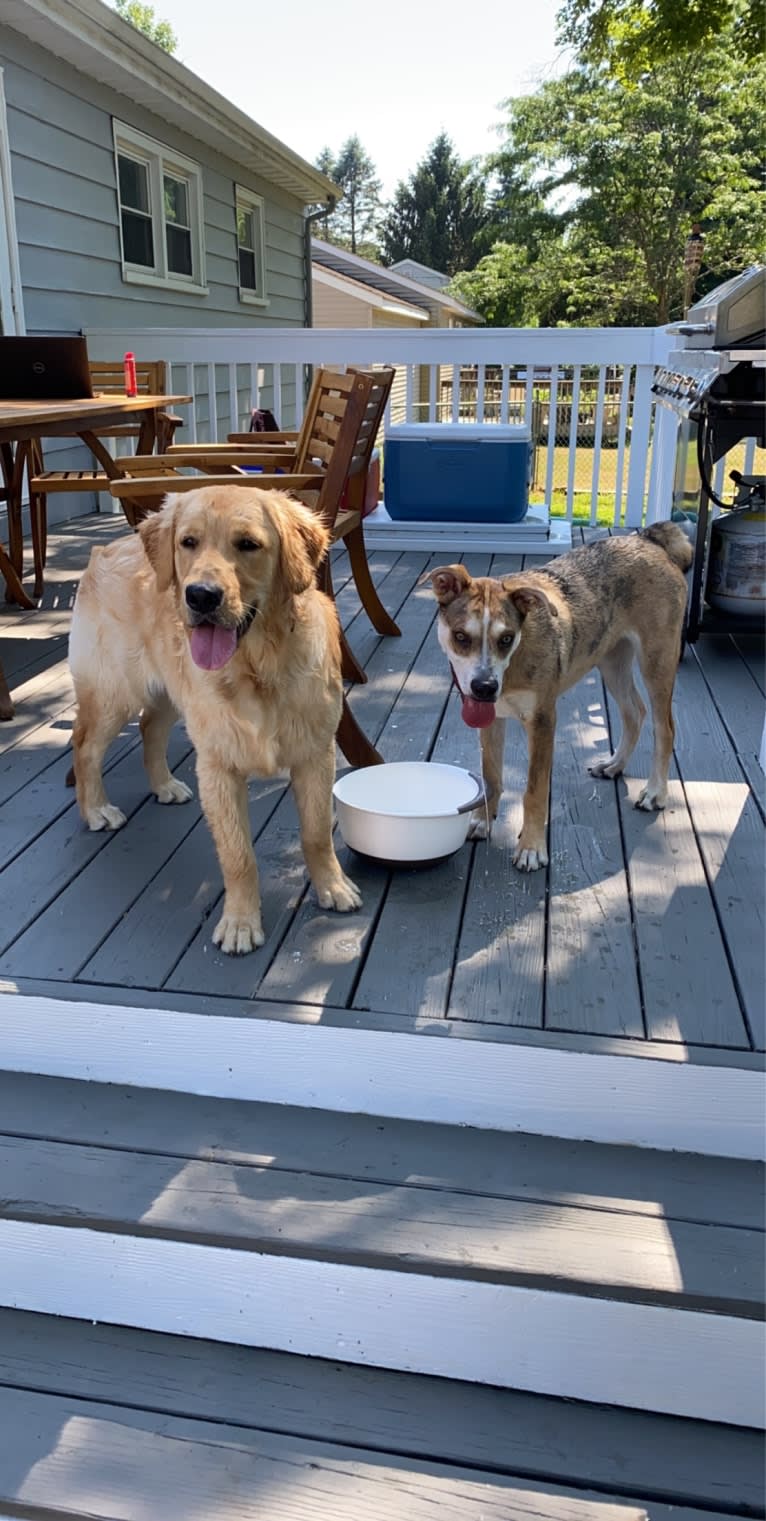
{"x": 644, "y": 935}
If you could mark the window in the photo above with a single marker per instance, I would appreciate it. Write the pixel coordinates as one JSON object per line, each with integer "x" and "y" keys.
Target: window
{"x": 250, "y": 245}
{"x": 160, "y": 195}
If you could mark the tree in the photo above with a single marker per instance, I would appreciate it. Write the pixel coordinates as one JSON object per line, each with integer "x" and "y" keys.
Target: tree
{"x": 600, "y": 181}
{"x": 439, "y": 216}
{"x": 144, "y": 19}
{"x": 633, "y": 35}
{"x": 355, "y": 220}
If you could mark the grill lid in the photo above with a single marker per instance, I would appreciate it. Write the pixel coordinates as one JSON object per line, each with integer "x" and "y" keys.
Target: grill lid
{"x": 731, "y": 316}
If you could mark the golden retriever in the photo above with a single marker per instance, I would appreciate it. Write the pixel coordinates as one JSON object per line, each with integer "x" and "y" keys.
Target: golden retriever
{"x": 212, "y": 612}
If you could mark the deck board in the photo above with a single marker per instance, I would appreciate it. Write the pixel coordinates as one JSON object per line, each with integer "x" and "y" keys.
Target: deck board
{"x": 591, "y": 983}
{"x": 661, "y": 1458}
{"x": 507, "y": 1165}
{"x": 643, "y": 934}
{"x": 86, "y": 1455}
{"x": 688, "y": 990}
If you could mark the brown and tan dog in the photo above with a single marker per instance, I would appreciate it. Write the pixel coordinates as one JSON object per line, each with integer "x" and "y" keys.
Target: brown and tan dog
{"x": 212, "y": 612}
{"x": 516, "y": 644}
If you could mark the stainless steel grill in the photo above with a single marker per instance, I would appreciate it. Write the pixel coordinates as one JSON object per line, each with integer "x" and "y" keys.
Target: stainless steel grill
{"x": 715, "y": 386}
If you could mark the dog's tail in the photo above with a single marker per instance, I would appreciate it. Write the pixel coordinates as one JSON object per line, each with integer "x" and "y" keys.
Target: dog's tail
{"x": 673, "y": 540}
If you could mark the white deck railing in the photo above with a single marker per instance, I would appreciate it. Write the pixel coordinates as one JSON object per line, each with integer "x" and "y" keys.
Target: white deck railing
{"x": 584, "y": 392}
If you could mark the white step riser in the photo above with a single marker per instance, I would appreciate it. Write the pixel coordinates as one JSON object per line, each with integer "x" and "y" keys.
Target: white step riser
{"x": 650, "y": 1358}
{"x": 670, "y": 1106}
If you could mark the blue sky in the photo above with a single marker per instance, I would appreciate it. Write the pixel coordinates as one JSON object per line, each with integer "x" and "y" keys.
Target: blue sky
{"x": 396, "y": 73}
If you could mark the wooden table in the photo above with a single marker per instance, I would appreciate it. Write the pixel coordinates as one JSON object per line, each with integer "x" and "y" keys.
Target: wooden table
{"x": 23, "y": 422}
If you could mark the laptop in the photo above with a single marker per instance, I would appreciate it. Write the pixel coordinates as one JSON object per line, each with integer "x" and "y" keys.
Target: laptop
{"x": 44, "y": 369}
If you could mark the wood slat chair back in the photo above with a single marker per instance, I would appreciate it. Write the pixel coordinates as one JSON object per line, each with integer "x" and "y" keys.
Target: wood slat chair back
{"x": 108, "y": 378}
{"x": 339, "y": 421}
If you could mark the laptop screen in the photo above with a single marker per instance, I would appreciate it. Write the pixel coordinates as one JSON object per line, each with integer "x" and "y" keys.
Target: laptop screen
{"x": 44, "y": 369}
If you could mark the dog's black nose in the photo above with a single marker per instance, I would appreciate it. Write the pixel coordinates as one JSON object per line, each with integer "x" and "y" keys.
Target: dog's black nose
{"x": 203, "y": 598}
{"x": 485, "y": 688}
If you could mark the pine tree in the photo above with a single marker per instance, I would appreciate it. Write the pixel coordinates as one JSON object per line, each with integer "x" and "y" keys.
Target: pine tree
{"x": 439, "y": 216}
{"x": 354, "y": 223}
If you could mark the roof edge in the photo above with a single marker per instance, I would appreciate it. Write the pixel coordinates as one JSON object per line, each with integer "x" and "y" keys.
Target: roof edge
{"x": 356, "y": 261}
{"x": 102, "y": 33}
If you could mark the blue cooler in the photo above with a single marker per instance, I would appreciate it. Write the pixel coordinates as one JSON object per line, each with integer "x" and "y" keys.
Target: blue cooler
{"x": 457, "y": 472}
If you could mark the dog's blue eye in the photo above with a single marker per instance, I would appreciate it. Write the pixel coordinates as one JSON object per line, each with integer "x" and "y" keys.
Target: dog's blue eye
{"x": 189, "y": 542}
{"x": 246, "y": 545}
{"x": 505, "y": 641}
{"x": 461, "y": 638}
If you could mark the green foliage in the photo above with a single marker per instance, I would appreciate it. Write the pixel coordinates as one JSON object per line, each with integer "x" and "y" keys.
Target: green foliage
{"x": 632, "y": 36}
{"x": 600, "y": 180}
{"x": 439, "y": 216}
{"x": 144, "y": 19}
{"x": 353, "y": 223}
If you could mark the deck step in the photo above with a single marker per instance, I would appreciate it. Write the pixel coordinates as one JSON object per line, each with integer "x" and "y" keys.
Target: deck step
{"x": 137, "y": 1424}
{"x": 570, "y": 1269}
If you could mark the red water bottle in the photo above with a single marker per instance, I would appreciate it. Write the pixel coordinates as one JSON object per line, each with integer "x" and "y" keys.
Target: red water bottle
{"x": 131, "y": 380}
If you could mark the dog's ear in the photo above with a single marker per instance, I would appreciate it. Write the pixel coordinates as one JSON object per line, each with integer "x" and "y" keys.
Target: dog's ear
{"x": 157, "y": 537}
{"x": 448, "y": 582}
{"x": 527, "y": 598}
{"x": 304, "y": 540}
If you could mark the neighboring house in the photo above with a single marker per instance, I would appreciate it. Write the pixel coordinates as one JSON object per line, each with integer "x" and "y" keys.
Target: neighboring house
{"x": 395, "y": 284}
{"x": 349, "y": 291}
{"x": 338, "y": 301}
{"x": 133, "y": 192}
{"x": 422, "y": 273}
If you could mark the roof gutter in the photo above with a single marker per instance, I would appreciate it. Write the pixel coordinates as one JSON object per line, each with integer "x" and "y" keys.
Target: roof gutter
{"x": 308, "y": 222}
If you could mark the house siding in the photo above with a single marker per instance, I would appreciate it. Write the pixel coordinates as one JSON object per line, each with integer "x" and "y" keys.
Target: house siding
{"x": 335, "y": 308}
{"x": 62, "y": 156}
{"x": 65, "y": 191}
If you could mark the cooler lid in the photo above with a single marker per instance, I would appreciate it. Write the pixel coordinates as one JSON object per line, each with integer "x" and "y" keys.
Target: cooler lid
{"x": 470, "y": 433}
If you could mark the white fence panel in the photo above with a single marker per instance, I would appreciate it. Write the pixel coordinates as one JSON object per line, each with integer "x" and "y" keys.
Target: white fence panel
{"x": 585, "y": 393}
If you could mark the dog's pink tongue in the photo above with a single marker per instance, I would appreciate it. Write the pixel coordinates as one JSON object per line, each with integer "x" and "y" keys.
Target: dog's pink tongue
{"x": 478, "y": 715}
{"x": 212, "y": 646}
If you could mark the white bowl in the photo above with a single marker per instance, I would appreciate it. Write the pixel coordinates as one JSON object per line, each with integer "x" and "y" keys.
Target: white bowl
{"x": 407, "y": 811}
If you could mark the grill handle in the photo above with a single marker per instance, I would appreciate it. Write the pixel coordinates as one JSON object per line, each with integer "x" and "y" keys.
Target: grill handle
{"x": 691, "y": 329}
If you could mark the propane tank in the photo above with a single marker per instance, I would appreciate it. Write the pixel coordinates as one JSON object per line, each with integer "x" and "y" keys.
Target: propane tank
{"x": 736, "y": 580}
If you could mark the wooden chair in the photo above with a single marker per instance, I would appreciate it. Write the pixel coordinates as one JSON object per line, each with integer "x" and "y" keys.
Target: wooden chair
{"x": 108, "y": 380}
{"x": 340, "y": 439}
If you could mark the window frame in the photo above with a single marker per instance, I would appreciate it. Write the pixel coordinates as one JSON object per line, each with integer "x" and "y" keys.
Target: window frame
{"x": 252, "y": 203}
{"x": 160, "y": 161}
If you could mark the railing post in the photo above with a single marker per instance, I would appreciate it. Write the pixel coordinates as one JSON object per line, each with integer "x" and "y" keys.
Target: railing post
{"x": 660, "y": 502}
{"x": 639, "y": 445}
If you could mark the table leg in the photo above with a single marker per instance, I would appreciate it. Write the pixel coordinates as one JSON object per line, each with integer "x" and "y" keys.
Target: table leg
{"x": 147, "y": 436}
{"x": 6, "y": 702}
{"x": 147, "y": 433}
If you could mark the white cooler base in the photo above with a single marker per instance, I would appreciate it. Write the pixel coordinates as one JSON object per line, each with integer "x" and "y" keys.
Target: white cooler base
{"x": 536, "y": 534}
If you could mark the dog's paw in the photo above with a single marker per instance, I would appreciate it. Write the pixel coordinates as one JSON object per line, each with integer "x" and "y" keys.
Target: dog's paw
{"x": 480, "y": 829}
{"x": 527, "y": 858}
{"x": 608, "y": 767}
{"x": 236, "y": 935}
{"x": 652, "y": 797}
{"x": 105, "y": 817}
{"x": 341, "y": 894}
{"x": 174, "y": 792}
